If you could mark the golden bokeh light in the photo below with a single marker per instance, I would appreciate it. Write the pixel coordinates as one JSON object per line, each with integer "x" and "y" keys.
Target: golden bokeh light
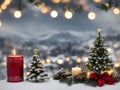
{"x": 3, "y": 6}
{"x": 7, "y": 2}
{"x": 116, "y": 11}
{"x": 56, "y": 1}
{"x": 67, "y": 59}
{"x": 48, "y": 60}
{"x": 78, "y": 60}
{"x": 68, "y": 14}
{"x": 91, "y": 15}
{"x": 54, "y": 14}
{"x": 97, "y": 1}
{"x": 117, "y": 65}
{"x": 44, "y": 10}
{"x": 60, "y": 61}
{"x": 17, "y": 14}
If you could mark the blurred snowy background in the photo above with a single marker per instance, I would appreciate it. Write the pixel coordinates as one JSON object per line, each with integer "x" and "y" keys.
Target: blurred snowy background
{"x": 61, "y": 42}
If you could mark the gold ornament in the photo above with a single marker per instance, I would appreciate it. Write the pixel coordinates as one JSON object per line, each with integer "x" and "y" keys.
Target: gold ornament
{"x": 28, "y": 73}
{"x": 96, "y": 62}
{"x": 105, "y": 51}
{"x": 104, "y": 62}
{"x": 95, "y": 54}
{"x": 105, "y": 67}
{"x": 89, "y": 64}
{"x": 38, "y": 65}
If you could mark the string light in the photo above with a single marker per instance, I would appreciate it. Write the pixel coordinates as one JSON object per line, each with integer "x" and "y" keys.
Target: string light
{"x": 48, "y": 60}
{"x": 68, "y": 14}
{"x": 54, "y": 14}
{"x": 116, "y": 11}
{"x": 91, "y": 15}
{"x": 17, "y": 14}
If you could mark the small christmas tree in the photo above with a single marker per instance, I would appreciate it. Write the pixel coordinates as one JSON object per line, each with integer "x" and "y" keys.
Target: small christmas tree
{"x": 99, "y": 60}
{"x": 36, "y": 72}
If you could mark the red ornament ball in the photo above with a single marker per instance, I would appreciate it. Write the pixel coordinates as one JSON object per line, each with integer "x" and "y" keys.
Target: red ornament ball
{"x": 94, "y": 76}
{"x": 101, "y": 82}
{"x": 109, "y": 80}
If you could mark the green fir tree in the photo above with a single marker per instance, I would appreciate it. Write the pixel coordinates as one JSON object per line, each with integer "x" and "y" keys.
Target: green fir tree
{"x": 99, "y": 60}
{"x": 36, "y": 72}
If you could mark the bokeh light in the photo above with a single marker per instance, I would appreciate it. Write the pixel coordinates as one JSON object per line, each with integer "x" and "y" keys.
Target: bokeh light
{"x": 68, "y": 14}
{"x": 116, "y": 11}
{"x": 48, "y": 60}
{"x": 78, "y": 60}
{"x": 17, "y": 14}
{"x": 60, "y": 61}
{"x": 44, "y": 10}
{"x": 54, "y": 14}
{"x": 91, "y": 15}
{"x": 56, "y": 1}
{"x": 117, "y": 65}
{"x": 67, "y": 59}
{"x": 97, "y": 1}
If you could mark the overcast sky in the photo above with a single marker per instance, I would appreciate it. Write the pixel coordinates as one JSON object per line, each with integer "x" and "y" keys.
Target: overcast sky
{"x": 35, "y": 23}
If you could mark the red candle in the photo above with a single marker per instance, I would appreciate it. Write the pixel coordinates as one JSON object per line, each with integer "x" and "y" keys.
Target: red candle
{"x": 14, "y": 68}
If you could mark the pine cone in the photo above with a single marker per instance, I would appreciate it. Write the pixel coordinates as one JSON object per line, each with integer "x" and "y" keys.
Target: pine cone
{"x": 65, "y": 75}
{"x": 57, "y": 77}
{"x": 80, "y": 78}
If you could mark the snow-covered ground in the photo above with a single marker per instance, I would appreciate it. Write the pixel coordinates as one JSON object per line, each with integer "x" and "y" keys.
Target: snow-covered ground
{"x": 52, "y": 85}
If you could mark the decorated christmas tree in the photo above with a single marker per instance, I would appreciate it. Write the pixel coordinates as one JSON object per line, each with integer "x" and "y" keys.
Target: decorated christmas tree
{"x": 99, "y": 60}
{"x": 36, "y": 72}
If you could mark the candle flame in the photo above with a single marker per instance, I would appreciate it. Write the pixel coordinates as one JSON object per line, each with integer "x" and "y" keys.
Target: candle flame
{"x": 14, "y": 52}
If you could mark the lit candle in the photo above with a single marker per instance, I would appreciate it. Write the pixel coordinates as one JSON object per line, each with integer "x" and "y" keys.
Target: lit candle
{"x": 14, "y": 67}
{"x": 76, "y": 71}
